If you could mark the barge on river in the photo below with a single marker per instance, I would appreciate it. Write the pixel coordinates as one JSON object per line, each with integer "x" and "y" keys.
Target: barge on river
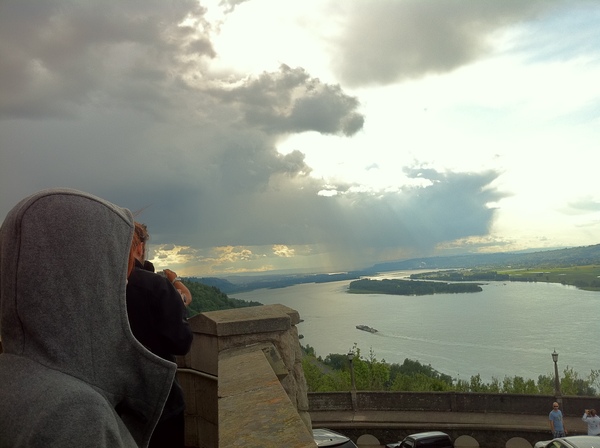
{"x": 366, "y": 328}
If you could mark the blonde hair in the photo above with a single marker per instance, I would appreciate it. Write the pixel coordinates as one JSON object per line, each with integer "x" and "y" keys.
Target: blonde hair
{"x": 140, "y": 235}
{"x": 141, "y": 231}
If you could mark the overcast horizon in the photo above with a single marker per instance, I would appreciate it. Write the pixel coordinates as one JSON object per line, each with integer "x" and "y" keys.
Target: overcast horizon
{"x": 256, "y": 136}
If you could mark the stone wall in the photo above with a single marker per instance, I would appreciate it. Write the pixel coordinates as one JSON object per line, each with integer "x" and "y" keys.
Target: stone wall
{"x": 243, "y": 360}
{"x": 572, "y": 406}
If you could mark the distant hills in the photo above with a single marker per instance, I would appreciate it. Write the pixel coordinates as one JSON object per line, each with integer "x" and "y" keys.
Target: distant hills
{"x": 244, "y": 284}
{"x": 576, "y": 256}
{"x": 211, "y": 298}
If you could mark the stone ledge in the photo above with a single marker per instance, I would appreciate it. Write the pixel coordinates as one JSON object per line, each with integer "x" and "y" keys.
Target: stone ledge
{"x": 270, "y": 352}
{"x": 257, "y": 319}
{"x": 254, "y": 409}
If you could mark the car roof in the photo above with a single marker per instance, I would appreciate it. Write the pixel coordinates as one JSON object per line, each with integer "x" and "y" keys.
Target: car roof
{"x": 327, "y": 437}
{"x": 581, "y": 441}
{"x": 424, "y": 435}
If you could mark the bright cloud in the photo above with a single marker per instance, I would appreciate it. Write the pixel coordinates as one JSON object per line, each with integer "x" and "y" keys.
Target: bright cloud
{"x": 282, "y": 250}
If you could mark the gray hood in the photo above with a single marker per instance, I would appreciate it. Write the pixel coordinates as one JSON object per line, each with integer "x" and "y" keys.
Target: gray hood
{"x": 63, "y": 267}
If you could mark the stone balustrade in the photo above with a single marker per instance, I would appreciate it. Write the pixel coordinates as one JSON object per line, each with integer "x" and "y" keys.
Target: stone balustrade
{"x": 456, "y": 402}
{"x": 243, "y": 380}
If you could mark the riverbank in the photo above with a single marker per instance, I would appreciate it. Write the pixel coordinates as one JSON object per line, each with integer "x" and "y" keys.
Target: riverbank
{"x": 583, "y": 277}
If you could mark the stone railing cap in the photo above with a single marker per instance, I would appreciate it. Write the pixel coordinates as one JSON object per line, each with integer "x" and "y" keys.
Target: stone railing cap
{"x": 255, "y": 319}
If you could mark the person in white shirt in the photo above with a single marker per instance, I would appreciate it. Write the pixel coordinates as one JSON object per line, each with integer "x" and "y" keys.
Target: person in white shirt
{"x": 593, "y": 422}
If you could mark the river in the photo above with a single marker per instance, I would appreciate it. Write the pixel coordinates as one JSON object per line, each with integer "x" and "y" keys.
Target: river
{"x": 508, "y": 329}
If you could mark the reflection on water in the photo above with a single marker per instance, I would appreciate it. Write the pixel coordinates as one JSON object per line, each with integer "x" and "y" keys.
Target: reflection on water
{"x": 508, "y": 329}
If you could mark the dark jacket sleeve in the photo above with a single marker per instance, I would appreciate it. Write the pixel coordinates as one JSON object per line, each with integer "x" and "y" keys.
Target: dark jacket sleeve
{"x": 174, "y": 329}
{"x": 157, "y": 315}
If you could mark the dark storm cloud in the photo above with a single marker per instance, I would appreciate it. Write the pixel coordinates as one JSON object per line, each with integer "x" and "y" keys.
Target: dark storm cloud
{"x": 247, "y": 162}
{"x": 360, "y": 226}
{"x": 115, "y": 100}
{"x": 388, "y": 40}
{"x": 290, "y": 101}
{"x": 58, "y": 56}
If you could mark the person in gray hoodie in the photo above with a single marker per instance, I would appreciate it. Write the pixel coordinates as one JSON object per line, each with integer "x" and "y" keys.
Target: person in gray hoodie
{"x": 71, "y": 372}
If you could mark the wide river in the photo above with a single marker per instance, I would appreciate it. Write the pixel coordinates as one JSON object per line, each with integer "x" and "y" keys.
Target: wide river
{"x": 508, "y": 329}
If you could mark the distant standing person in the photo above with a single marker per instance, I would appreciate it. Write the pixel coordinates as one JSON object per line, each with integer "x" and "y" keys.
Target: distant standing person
{"x": 593, "y": 422}
{"x": 557, "y": 425}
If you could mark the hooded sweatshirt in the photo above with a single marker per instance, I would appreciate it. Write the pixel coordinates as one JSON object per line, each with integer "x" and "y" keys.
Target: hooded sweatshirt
{"x": 71, "y": 372}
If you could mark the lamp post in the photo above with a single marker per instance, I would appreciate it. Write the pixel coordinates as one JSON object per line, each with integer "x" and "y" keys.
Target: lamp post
{"x": 351, "y": 358}
{"x": 556, "y": 379}
{"x": 353, "y": 391}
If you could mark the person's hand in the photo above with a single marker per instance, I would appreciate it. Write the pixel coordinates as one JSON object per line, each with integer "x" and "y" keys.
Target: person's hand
{"x": 170, "y": 275}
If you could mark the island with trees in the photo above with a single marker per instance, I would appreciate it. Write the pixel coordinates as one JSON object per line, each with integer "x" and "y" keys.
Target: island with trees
{"x": 409, "y": 287}
{"x": 462, "y": 275}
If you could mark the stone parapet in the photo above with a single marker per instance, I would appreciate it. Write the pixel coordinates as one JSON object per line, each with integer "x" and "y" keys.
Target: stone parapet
{"x": 244, "y": 360}
{"x": 254, "y": 409}
{"x": 465, "y": 402}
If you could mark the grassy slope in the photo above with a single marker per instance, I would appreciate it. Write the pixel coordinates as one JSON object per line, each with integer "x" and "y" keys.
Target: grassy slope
{"x": 583, "y": 277}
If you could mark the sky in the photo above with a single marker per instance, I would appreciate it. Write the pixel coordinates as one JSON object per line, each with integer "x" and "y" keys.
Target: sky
{"x": 268, "y": 136}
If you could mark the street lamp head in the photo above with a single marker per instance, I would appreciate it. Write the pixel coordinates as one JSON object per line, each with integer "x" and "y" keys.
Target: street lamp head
{"x": 554, "y": 356}
{"x": 350, "y": 356}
